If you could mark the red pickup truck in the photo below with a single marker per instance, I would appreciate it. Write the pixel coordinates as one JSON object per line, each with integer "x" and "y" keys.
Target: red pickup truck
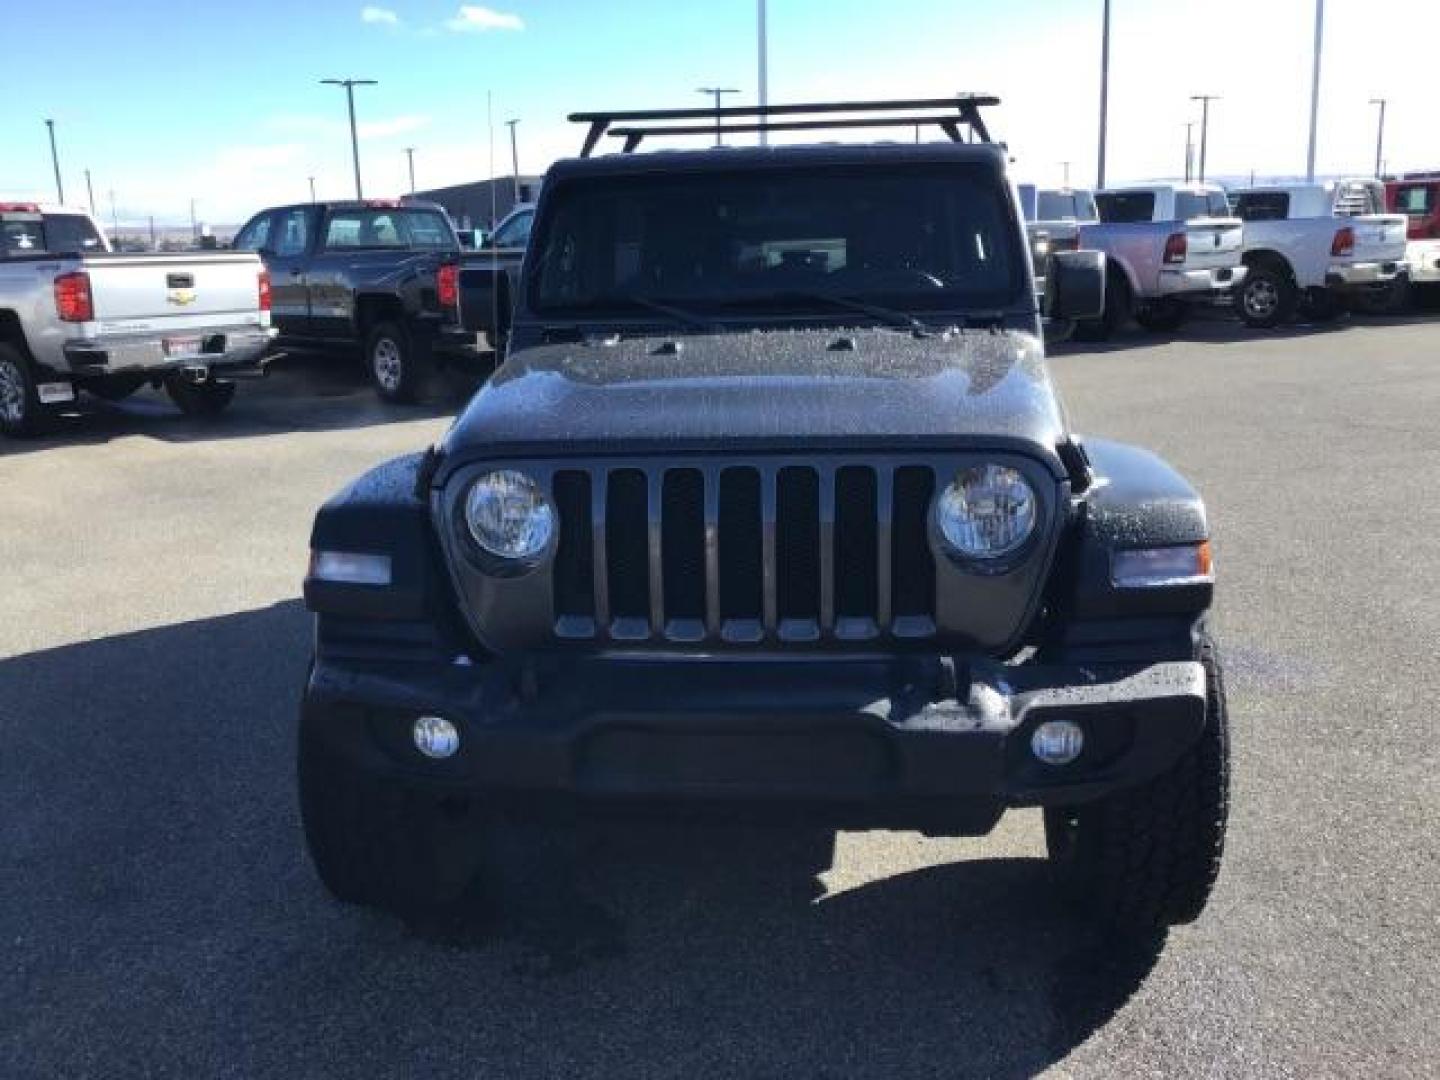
{"x": 1417, "y": 196}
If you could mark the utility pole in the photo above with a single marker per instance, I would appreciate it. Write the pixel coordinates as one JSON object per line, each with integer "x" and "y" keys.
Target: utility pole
{"x": 1066, "y": 166}
{"x": 312, "y": 187}
{"x": 349, "y": 85}
{"x": 410, "y": 155}
{"x": 764, "y": 45}
{"x": 514, "y": 161}
{"x": 1315, "y": 88}
{"x": 90, "y": 190}
{"x": 1380, "y": 137}
{"x": 1189, "y": 150}
{"x": 194, "y": 225}
{"x": 152, "y": 232}
{"x": 1204, "y": 100}
{"x": 1104, "y": 95}
{"x": 55, "y": 160}
{"x": 716, "y": 92}
{"x": 114, "y": 219}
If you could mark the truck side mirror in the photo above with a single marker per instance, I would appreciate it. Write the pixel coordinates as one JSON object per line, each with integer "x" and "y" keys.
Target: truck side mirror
{"x": 1075, "y": 285}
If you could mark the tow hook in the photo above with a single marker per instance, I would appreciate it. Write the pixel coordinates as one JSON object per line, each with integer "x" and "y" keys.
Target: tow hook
{"x": 195, "y": 373}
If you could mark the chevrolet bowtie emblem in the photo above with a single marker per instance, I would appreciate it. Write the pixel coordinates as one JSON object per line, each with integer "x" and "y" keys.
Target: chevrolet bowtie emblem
{"x": 180, "y": 297}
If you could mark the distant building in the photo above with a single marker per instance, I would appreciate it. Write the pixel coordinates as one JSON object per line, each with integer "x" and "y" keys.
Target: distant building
{"x": 470, "y": 205}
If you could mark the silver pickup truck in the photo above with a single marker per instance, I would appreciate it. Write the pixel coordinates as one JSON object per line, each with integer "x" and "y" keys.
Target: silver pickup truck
{"x": 1168, "y": 248}
{"x": 75, "y": 316}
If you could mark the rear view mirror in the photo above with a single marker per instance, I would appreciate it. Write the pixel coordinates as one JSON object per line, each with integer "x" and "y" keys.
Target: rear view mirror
{"x": 1075, "y": 285}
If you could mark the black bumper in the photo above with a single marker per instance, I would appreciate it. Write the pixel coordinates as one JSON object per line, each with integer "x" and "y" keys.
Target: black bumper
{"x": 897, "y": 743}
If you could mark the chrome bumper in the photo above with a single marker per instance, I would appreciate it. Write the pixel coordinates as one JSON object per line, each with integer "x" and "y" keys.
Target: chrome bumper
{"x": 1217, "y": 279}
{"x": 217, "y": 348}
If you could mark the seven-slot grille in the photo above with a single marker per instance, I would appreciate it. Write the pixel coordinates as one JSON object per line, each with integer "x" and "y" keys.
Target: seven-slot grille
{"x": 744, "y": 553}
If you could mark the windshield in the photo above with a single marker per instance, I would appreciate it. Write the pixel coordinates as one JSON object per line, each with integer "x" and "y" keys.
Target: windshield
{"x": 54, "y": 233}
{"x": 1123, "y": 207}
{"x": 1066, "y": 206}
{"x": 1415, "y": 199}
{"x": 920, "y": 237}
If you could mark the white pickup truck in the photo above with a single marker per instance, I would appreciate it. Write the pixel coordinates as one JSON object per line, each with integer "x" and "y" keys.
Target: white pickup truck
{"x": 75, "y": 316}
{"x": 1315, "y": 247}
{"x": 1168, "y": 247}
{"x": 1053, "y": 217}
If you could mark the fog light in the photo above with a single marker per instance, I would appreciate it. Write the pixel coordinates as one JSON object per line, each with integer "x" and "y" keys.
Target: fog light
{"x": 435, "y": 737}
{"x": 1057, "y": 742}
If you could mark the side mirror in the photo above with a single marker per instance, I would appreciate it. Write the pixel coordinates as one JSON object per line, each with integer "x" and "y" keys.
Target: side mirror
{"x": 1075, "y": 285}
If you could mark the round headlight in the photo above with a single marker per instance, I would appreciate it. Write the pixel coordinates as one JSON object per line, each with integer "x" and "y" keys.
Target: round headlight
{"x": 509, "y": 516}
{"x": 986, "y": 512}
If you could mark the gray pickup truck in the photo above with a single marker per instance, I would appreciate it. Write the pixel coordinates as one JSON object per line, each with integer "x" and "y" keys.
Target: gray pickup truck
{"x": 75, "y": 316}
{"x": 772, "y": 510}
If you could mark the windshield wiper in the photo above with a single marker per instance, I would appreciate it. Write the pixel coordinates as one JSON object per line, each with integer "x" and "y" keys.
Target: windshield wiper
{"x": 678, "y": 314}
{"x": 890, "y": 316}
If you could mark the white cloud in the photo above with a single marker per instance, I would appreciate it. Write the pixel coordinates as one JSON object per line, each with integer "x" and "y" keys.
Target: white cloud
{"x": 472, "y": 18}
{"x": 384, "y": 16}
{"x": 399, "y": 125}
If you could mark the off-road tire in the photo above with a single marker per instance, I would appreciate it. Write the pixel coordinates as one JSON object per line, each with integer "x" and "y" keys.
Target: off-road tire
{"x": 397, "y": 364}
{"x": 22, "y": 416}
{"x": 201, "y": 400}
{"x": 382, "y": 844}
{"x": 1118, "y": 308}
{"x": 1161, "y": 316}
{"x": 1146, "y": 858}
{"x": 1320, "y": 306}
{"x": 1267, "y": 297}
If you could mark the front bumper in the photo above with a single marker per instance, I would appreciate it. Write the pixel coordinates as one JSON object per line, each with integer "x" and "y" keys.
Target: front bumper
{"x": 904, "y": 743}
{"x": 1422, "y": 257}
{"x": 1362, "y": 275}
{"x": 1200, "y": 284}
{"x": 219, "y": 349}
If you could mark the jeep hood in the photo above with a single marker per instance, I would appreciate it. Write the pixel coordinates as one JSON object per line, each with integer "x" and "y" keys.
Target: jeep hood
{"x": 780, "y": 390}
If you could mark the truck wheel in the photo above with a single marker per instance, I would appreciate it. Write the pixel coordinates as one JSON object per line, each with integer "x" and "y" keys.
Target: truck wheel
{"x": 1118, "y": 308}
{"x": 206, "y": 399}
{"x": 397, "y": 365}
{"x": 380, "y": 844}
{"x": 21, "y": 414}
{"x": 1146, "y": 858}
{"x": 1320, "y": 306}
{"x": 1393, "y": 299}
{"x": 1267, "y": 297}
{"x": 1161, "y": 316}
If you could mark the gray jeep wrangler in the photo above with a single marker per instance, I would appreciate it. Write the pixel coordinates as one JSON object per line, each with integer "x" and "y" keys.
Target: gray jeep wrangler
{"x": 772, "y": 510}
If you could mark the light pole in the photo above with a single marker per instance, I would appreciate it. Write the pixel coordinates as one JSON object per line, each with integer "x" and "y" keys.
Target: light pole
{"x": 349, "y": 85}
{"x": 1380, "y": 136}
{"x": 1104, "y": 95}
{"x": 764, "y": 49}
{"x": 1204, "y": 100}
{"x": 1189, "y": 150}
{"x": 55, "y": 160}
{"x": 410, "y": 157}
{"x": 90, "y": 190}
{"x": 312, "y": 187}
{"x": 716, "y": 92}
{"x": 194, "y": 225}
{"x": 1065, "y": 165}
{"x": 514, "y": 161}
{"x": 114, "y": 219}
{"x": 1315, "y": 88}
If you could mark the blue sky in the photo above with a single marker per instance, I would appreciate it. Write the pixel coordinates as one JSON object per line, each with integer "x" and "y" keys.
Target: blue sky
{"x": 165, "y": 102}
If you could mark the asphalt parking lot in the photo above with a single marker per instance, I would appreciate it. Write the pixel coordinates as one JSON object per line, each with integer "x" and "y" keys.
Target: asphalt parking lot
{"x": 158, "y": 916}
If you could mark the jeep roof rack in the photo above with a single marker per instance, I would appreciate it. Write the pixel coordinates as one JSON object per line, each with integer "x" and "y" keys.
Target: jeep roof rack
{"x": 963, "y": 109}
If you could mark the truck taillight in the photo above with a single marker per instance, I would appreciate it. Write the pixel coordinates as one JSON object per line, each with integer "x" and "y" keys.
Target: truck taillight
{"x": 73, "y": 301}
{"x": 1344, "y": 242}
{"x": 1176, "y": 247}
{"x": 264, "y": 290}
{"x": 447, "y": 286}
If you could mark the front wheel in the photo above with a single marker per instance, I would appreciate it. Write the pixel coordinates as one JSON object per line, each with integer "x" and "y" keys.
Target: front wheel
{"x": 396, "y": 363}
{"x": 1147, "y": 857}
{"x": 203, "y": 399}
{"x": 1267, "y": 297}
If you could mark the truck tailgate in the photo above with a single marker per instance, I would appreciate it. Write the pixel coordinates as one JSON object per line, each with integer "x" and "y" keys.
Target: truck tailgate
{"x": 193, "y": 290}
{"x": 1378, "y": 237}
{"x": 1213, "y": 242}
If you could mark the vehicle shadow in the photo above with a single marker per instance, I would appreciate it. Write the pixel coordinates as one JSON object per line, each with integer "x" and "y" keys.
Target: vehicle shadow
{"x": 161, "y": 917}
{"x": 302, "y": 391}
{"x": 1220, "y": 327}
